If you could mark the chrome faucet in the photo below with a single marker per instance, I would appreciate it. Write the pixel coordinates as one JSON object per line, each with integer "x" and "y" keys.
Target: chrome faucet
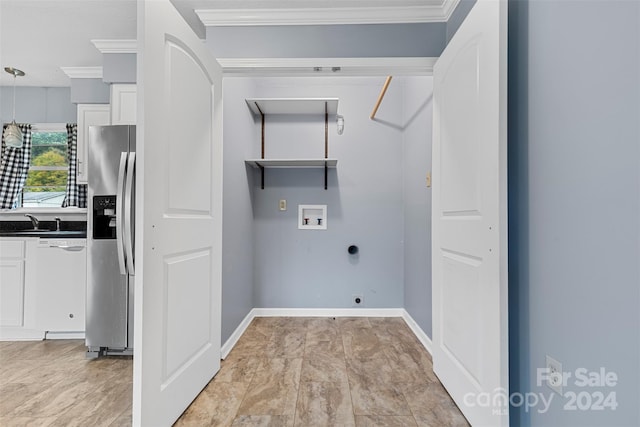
{"x": 34, "y": 221}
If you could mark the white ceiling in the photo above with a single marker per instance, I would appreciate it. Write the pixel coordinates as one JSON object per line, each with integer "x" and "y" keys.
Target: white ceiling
{"x": 40, "y": 36}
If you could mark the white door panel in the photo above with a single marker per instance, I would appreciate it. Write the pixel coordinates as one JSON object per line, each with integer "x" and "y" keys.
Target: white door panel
{"x": 470, "y": 335}
{"x": 179, "y": 216}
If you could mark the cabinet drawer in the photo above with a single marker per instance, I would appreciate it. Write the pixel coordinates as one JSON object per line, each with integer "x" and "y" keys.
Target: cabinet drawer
{"x": 12, "y": 249}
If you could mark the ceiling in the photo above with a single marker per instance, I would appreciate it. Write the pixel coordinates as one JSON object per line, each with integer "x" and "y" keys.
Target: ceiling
{"x": 40, "y": 36}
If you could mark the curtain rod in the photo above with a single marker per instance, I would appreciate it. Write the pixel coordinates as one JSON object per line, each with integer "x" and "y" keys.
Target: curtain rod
{"x": 382, "y": 92}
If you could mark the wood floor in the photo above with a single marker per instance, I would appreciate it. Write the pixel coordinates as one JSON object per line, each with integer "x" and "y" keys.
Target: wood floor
{"x": 282, "y": 372}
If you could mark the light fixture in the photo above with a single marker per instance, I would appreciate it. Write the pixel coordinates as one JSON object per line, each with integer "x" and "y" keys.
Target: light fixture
{"x": 12, "y": 133}
{"x": 340, "y": 123}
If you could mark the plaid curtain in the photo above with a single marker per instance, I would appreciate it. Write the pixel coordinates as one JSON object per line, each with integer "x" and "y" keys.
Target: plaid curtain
{"x": 76, "y": 193}
{"x": 14, "y": 166}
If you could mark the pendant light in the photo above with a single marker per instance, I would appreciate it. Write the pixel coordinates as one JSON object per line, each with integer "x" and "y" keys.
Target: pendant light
{"x": 12, "y": 133}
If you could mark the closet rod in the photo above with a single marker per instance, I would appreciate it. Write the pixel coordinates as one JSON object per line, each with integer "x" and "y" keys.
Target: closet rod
{"x": 382, "y": 92}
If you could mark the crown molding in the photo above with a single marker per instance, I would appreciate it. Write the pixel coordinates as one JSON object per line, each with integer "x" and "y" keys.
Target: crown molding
{"x": 83, "y": 72}
{"x": 309, "y": 66}
{"x": 116, "y": 46}
{"x": 328, "y": 16}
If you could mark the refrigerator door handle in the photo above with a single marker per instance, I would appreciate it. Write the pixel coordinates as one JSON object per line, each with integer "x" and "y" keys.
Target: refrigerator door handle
{"x": 128, "y": 211}
{"x": 122, "y": 170}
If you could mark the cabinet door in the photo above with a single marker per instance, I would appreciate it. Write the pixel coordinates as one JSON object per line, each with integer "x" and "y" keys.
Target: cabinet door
{"x": 11, "y": 292}
{"x": 89, "y": 115}
{"x": 123, "y": 104}
{"x": 61, "y": 289}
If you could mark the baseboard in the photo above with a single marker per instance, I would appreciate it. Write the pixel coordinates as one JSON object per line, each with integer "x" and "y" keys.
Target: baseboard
{"x": 417, "y": 331}
{"x": 235, "y": 336}
{"x": 323, "y": 312}
{"x": 20, "y": 334}
{"x": 328, "y": 312}
{"x": 64, "y": 336}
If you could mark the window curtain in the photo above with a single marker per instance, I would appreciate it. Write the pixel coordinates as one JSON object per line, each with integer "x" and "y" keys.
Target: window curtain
{"x": 76, "y": 193}
{"x": 14, "y": 166}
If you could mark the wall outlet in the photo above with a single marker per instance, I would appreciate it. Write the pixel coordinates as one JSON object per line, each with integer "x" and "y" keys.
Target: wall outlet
{"x": 357, "y": 301}
{"x": 282, "y": 205}
{"x": 555, "y": 377}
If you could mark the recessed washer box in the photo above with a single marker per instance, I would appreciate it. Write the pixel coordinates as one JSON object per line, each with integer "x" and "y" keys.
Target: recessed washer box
{"x": 312, "y": 217}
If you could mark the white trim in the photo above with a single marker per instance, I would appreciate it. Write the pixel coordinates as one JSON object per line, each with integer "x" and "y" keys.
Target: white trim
{"x": 116, "y": 46}
{"x": 83, "y": 72}
{"x": 8, "y": 333}
{"x": 64, "y": 336}
{"x": 328, "y": 15}
{"x": 235, "y": 336}
{"x": 49, "y": 127}
{"x": 348, "y": 66}
{"x": 328, "y": 312}
{"x": 417, "y": 331}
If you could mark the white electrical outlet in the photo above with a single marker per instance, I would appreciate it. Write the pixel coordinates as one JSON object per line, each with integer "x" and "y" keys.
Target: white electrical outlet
{"x": 555, "y": 377}
{"x": 357, "y": 301}
{"x": 282, "y": 205}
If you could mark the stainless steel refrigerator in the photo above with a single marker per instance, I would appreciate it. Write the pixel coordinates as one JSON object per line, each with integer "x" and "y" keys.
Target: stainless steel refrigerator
{"x": 110, "y": 240}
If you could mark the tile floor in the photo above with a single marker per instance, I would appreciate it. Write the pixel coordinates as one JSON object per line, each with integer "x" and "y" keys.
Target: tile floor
{"x": 282, "y": 372}
{"x": 51, "y": 383}
{"x": 325, "y": 372}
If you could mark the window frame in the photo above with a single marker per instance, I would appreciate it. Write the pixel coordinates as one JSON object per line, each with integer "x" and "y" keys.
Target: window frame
{"x": 18, "y": 212}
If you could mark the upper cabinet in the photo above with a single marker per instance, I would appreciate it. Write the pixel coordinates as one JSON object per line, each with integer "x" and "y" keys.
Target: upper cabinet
{"x": 123, "y": 104}
{"x": 89, "y": 115}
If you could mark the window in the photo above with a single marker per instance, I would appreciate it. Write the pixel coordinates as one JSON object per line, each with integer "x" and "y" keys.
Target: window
{"x": 47, "y": 178}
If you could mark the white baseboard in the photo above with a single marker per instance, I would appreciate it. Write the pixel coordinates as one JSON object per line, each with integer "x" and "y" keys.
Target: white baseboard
{"x": 324, "y": 312}
{"x": 417, "y": 331}
{"x": 64, "y": 336}
{"x": 20, "y": 334}
{"x": 235, "y": 336}
{"x": 328, "y": 312}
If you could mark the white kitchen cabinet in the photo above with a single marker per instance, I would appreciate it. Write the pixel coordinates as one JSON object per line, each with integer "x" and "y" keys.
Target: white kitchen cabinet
{"x": 12, "y": 283}
{"x": 123, "y": 104}
{"x": 89, "y": 115}
{"x": 61, "y": 285}
{"x": 17, "y": 290}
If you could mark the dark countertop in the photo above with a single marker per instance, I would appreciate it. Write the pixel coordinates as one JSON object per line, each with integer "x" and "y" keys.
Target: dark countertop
{"x": 68, "y": 229}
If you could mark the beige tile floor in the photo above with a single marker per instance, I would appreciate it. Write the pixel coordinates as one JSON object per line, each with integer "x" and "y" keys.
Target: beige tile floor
{"x": 283, "y": 372}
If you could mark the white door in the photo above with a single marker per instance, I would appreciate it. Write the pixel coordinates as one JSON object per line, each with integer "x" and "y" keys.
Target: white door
{"x": 469, "y": 221}
{"x": 178, "y": 216}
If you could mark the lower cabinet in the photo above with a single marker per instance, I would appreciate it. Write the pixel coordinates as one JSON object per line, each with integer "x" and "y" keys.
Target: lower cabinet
{"x": 12, "y": 255}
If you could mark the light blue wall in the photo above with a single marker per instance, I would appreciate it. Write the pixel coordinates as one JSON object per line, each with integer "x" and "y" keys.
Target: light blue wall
{"x": 37, "y": 105}
{"x": 119, "y": 67}
{"x": 327, "y": 41}
{"x": 416, "y": 162}
{"x": 574, "y": 161}
{"x": 458, "y": 15}
{"x": 303, "y": 268}
{"x": 90, "y": 91}
{"x": 238, "y": 236}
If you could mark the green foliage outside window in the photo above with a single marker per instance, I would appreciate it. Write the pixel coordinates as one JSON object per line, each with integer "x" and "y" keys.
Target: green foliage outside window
{"x": 49, "y": 162}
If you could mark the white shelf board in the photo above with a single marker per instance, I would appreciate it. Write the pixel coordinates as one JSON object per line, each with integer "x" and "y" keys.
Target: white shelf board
{"x": 293, "y": 105}
{"x": 292, "y": 163}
